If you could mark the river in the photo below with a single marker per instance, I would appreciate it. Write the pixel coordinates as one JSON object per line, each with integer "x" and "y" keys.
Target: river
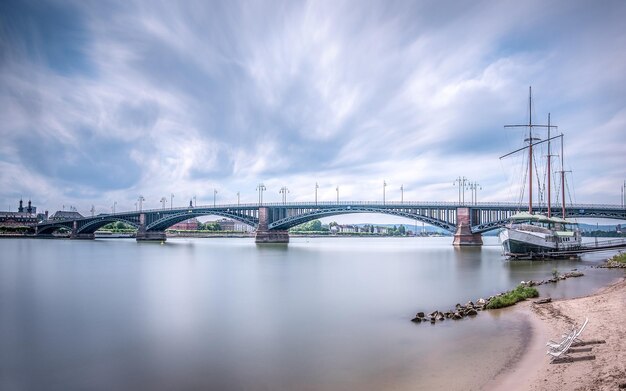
{"x": 225, "y": 314}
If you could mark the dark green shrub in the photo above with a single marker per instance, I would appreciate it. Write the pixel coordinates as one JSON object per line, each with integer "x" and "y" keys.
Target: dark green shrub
{"x": 520, "y": 293}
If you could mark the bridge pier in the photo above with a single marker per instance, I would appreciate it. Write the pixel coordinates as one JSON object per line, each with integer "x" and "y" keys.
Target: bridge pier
{"x": 151, "y": 236}
{"x": 266, "y": 235}
{"x": 148, "y": 236}
{"x": 82, "y": 236}
{"x": 463, "y": 236}
{"x": 76, "y": 235}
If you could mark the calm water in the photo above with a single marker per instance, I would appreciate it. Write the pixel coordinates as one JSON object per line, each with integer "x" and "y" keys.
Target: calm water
{"x": 224, "y": 314}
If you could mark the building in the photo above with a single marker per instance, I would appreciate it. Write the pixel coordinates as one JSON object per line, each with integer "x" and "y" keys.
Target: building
{"x": 232, "y": 225}
{"x": 347, "y": 229}
{"x": 24, "y": 217}
{"x": 17, "y": 219}
{"x": 66, "y": 215}
{"x": 29, "y": 209}
{"x": 187, "y": 225}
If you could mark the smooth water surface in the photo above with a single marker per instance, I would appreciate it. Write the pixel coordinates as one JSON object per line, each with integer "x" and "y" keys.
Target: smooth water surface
{"x": 225, "y": 314}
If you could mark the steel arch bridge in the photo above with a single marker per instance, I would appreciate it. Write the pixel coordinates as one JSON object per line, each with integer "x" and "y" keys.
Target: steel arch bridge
{"x": 273, "y": 218}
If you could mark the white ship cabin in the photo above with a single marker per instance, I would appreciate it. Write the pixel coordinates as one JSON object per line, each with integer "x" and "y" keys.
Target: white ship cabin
{"x": 539, "y": 222}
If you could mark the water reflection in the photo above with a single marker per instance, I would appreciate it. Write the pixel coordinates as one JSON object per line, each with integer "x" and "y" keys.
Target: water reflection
{"x": 226, "y": 314}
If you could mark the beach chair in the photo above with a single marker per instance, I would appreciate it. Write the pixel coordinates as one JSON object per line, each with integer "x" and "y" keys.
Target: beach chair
{"x": 576, "y": 339}
{"x": 562, "y": 352}
{"x": 558, "y": 345}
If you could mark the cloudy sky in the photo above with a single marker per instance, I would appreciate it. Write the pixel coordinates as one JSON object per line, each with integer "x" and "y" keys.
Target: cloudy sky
{"x": 101, "y": 101}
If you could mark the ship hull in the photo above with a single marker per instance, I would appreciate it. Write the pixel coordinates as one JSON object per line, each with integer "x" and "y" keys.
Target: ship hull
{"x": 518, "y": 243}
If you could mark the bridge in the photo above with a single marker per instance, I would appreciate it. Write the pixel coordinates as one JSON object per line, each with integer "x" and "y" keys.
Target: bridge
{"x": 273, "y": 220}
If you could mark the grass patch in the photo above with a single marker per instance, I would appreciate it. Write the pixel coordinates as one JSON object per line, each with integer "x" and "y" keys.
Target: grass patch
{"x": 621, "y": 258}
{"x": 520, "y": 293}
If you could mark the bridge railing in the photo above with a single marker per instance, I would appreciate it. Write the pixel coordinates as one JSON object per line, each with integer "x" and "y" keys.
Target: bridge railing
{"x": 408, "y": 204}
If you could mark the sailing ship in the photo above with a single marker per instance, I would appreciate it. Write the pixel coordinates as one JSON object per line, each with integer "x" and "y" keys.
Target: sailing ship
{"x": 533, "y": 235}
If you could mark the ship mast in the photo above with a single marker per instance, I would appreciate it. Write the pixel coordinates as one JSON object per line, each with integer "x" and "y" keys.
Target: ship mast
{"x": 562, "y": 179}
{"x": 531, "y": 143}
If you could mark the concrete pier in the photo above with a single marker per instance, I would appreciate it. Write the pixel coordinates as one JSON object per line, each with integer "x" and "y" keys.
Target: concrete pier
{"x": 264, "y": 234}
{"x": 463, "y": 235}
{"x": 151, "y": 236}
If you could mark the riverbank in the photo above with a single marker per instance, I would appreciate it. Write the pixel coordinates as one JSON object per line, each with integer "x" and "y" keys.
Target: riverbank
{"x": 592, "y": 367}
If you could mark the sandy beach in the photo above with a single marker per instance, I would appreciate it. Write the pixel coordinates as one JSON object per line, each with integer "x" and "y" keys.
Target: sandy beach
{"x": 592, "y": 366}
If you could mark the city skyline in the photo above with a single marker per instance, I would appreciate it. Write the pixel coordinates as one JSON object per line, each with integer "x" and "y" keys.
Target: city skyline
{"x": 103, "y": 102}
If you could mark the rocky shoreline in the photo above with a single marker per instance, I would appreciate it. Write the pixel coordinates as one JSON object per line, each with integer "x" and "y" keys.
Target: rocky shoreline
{"x": 471, "y": 309}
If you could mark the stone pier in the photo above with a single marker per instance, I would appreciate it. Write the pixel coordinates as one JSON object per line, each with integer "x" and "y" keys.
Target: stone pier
{"x": 151, "y": 236}
{"x": 463, "y": 235}
{"x": 264, "y": 234}
{"x": 148, "y": 236}
{"x": 76, "y": 235}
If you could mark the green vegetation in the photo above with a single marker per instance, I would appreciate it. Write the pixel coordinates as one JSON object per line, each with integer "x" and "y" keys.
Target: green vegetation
{"x": 15, "y": 229}
{"x": 119, "y": 227}
{"x": 210, "y": 226}
{"x": 314, "y": 226}
{"x": 621, "y": 258}
{"x": 520, "y": 293}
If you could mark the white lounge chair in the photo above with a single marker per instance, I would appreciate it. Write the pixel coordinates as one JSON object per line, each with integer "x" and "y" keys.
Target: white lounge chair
{"x": 576, "y": 339}
{"x": 556, "y": 346}
{"x": 564, "y": 349}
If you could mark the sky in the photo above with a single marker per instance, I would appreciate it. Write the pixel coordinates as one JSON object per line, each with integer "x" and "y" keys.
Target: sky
{"x": 103, "y": 101}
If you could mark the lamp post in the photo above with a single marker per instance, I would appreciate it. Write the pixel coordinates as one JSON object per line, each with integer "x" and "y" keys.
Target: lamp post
{"x": 163, "y": 202}
{"x": 141, "y": 200}
{"x": 384, "y": 186}
{"x": 113, "y": 207}
{"x": 93, "y": 210}
{"x": 316, "y": 187}
{"x": 402, "y": 194}
{"x": 214, "y": 196}
{"x": 284, "y": 190}
{"x": 337, "y": 189}
{"x": 172, "y": 201}
{"x": 261, "y": 188}
{"x": 474, "y": 187}
{"x": 624, "y": 195}
{"x": 461, "y": 183}
{"x": 238, "y": 199}
{"x": 195, "y": 201}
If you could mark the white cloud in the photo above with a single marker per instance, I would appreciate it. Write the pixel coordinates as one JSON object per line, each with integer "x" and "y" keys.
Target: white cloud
{"x": 198, "y": 96}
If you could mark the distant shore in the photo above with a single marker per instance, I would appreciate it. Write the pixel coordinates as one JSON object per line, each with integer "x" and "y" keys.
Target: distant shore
{"x": 592, "y": 367}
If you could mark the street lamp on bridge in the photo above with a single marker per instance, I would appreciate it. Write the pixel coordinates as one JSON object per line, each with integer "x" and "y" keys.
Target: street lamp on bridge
{"x": 402, "y": 194}
{"x": 172, "y": 201}
{"x": 384, "y": 186}
{"x": 284, "y": 190}
{"x": 337, "y": 194}
{"x": 474, "y": 187}
{"x": 141, "y": 200}
{"x": 163, "y": 202}
{"x": 113, "y": 207}
{"x": 316, "y": 187}
{"x": 461, "y": 182}
{"x": 238, "y": 199}
{"x": 214, "y": 196}
{"x": 261, "y": 188}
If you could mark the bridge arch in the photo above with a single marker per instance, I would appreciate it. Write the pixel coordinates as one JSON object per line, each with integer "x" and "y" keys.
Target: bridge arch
{"x": 93, "y": 225}
{"x": 167, "y": 221}
{"x": 297, "y": 219}
{"x": 51, "y": 228}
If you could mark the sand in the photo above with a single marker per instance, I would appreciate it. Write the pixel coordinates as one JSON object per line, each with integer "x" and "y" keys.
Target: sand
{"x": 594, "y": 366}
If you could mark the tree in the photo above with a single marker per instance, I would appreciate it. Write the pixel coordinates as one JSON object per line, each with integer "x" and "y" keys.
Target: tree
{"x": 402, "y": 230}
